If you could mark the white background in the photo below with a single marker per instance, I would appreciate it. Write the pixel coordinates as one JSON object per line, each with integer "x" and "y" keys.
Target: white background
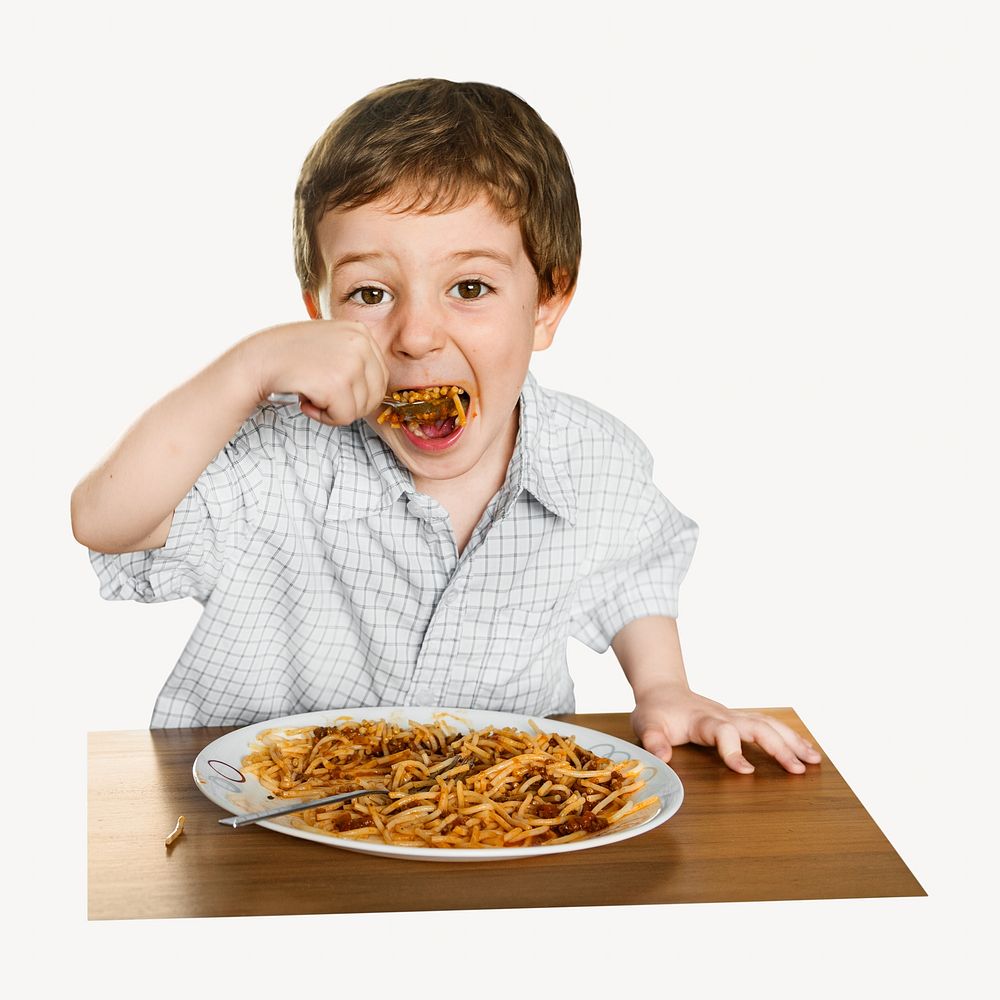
{"x": 789, "y": 287}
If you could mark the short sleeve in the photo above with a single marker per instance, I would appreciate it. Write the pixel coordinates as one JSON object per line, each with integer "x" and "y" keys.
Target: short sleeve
{"x": 641, "y": 573}
{"x": 210, "y": 522}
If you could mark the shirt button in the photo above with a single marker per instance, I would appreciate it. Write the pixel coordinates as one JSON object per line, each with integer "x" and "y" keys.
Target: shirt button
{"x": 451, "y": 598}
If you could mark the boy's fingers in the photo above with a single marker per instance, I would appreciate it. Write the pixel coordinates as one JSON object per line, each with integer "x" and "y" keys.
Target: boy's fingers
{"x": 769, "y": 740}
{"x": 373, "y": 344}
{"x": 364, "y": 396}
{"x": 726, "y": 738}
{"x": 379, "y": 381}
{"x": 363, "y": 403}
{"x": 805, "y": 750}
{"x": 313, "y": 411}
{"x": 383, "y": 367}
{"x": 657, "y": 743}
{"x": 376, "y": 372}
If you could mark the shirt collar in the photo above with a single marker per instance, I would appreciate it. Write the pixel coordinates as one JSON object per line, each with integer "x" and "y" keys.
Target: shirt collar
{"x": 539, "y": 464}
{"x": 369, "y": 478}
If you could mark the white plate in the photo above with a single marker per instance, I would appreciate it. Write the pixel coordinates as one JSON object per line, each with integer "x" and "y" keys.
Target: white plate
{"x": 217, "y": 772}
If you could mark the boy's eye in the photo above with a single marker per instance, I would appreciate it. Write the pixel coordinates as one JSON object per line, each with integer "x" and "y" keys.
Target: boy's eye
{"x": 369, "y": 296}
{"x": 471, "y": 289}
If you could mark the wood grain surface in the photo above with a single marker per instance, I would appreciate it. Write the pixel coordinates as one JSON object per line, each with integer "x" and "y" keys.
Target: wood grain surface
{"x": 765, "y": 836}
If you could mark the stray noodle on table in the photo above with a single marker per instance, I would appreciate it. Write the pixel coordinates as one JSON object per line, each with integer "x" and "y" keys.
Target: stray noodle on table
{"x": 442, "y": 788}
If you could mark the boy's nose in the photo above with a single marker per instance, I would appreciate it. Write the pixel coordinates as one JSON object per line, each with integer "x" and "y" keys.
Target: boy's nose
{"x": 416, "y": 333}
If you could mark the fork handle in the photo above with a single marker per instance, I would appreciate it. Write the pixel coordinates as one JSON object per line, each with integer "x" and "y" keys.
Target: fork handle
{"x": 293, "y": 397}
{"x": 245, "y": 818}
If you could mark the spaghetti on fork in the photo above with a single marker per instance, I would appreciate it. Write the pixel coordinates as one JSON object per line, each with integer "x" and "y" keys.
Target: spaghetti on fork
{"x": 445, "y": 402}
{"x": 487, "y": 788}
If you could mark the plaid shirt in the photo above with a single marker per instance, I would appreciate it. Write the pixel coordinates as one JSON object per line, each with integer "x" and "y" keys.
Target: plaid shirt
{"x": 327, "y": 581}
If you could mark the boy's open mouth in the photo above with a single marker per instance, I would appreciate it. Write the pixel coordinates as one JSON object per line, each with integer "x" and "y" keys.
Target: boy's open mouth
{"x": 434, "y": 413}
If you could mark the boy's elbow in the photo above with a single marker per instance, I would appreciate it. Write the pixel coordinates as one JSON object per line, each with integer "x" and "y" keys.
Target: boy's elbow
{"x": 82, "y": 520}
{"x": 91, "y": 528}
{"x": 87, "y": 521}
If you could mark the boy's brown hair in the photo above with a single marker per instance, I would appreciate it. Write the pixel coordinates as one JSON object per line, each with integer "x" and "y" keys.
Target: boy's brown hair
{"x": 434, "y": 145}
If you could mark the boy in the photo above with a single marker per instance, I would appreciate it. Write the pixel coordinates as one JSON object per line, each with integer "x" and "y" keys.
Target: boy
{"x": 346, "y": 559}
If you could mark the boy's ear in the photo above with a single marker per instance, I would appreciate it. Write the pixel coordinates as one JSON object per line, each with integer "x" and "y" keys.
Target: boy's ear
{"x": 547, "y": 317}
{"x": 309, "y": 298}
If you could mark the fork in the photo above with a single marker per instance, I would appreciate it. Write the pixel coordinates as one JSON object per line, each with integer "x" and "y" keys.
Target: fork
{"x": 409, "y": 410}
{"x": 256, "y": 817}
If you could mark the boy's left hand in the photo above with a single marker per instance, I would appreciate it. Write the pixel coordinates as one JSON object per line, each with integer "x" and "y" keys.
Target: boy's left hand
{"x": 673, "y": 714}
{"x": 668, "y": 713}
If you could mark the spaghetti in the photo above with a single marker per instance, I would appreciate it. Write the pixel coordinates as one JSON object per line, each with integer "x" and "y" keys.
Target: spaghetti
{"x": 443, "y": 788}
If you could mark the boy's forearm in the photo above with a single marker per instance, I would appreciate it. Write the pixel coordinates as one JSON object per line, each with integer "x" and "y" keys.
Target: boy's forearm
{"x": 649, "y": 651}
{"x": 126, "y": 504}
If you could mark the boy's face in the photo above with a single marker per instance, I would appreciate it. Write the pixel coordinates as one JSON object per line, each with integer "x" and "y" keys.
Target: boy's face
{"x": 452, "y": 299}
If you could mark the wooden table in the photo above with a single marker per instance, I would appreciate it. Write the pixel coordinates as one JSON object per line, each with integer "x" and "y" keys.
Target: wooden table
{"x": 766, "y": 836}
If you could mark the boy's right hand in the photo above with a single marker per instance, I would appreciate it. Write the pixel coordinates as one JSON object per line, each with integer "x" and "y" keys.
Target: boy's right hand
{"x": 335, "y": 366}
